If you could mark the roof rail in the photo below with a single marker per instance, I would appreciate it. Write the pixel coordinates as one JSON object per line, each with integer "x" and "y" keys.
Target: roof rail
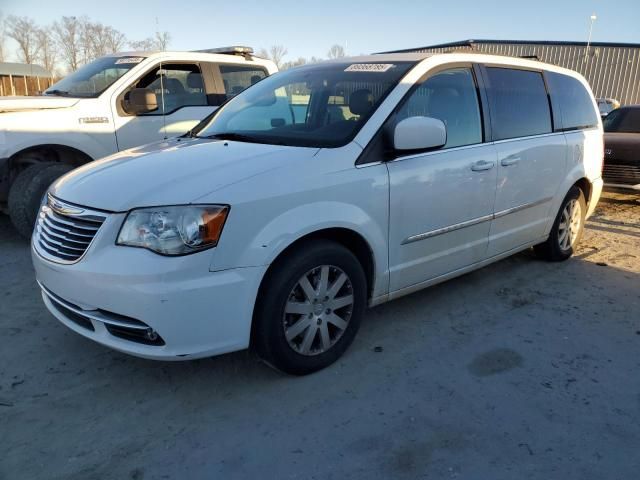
{"x": 246, "y": 52}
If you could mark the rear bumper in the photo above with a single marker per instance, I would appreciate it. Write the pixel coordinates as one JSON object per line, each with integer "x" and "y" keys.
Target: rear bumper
{"x": 596, "y": 192}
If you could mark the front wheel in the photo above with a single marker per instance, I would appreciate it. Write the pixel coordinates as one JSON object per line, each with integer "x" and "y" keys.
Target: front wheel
{"x": 27, "y": 191}
{"x": 310, "y": 308}
{"x": 567, "y": 229}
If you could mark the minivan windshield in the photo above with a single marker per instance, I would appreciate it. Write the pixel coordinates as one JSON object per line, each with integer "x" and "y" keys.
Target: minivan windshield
{"x": 93, "y": 78}
{"x": 623, "y": 120}
{"x": 320, "y": 105}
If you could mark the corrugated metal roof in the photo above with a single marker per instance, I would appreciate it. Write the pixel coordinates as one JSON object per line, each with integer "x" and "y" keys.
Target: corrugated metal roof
{"x": 23, "y": 70}
{"x": 612, "y": 69}
{"x": 471, "y": 42}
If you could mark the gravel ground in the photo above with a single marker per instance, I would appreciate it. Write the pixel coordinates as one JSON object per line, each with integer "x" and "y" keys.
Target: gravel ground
{"x": 523, "y": 369}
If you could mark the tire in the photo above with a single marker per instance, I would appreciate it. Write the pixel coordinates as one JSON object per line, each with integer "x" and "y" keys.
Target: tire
{"x": 27, "y": 191}
{"x": 563, "y": 241}
{"x": 296, "y": 335}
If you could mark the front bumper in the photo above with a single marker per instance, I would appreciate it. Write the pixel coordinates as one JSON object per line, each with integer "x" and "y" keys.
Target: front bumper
{"x": 196, "y": 313}
{"x": 622, "y": 175}
{"x": 623, "y": 186}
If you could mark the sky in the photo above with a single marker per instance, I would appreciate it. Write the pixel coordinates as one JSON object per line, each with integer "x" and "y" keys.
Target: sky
{"x": 309, "y": 28}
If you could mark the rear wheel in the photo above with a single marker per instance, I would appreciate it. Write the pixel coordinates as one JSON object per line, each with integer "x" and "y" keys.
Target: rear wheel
{"x": 27, "y": 191}
{"x": 310, "y": 308}
{"x": 567, "y": 229}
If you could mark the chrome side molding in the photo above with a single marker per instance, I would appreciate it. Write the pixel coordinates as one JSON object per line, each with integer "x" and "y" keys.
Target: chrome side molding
{"x": 474, "y": 221}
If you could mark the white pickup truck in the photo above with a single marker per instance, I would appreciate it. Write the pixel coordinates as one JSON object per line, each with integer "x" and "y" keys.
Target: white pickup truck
{"x": 117, "y": 102}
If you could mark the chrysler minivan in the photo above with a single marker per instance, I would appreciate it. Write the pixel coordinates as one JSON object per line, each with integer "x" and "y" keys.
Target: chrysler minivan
{"x": 315, "y": 193}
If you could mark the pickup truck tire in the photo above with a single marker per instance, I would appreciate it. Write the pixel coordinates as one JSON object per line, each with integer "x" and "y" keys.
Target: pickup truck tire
{"x": 309, "y": 308}
{"x": 567, "y": 228}
{"x": 27, "y": 191}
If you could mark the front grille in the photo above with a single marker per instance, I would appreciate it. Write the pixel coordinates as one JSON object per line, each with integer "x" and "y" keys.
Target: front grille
{"x": 64, "y": 234}
{"x": 621, "y": 173}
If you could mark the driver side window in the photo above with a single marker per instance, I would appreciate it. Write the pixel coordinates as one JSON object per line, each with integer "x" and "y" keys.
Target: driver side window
{"x": 175, "y": 86}
{"x": 449, "y": 96}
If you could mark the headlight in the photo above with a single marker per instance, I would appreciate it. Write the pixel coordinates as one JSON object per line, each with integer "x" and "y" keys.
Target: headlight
{"x": 174, "y": 230}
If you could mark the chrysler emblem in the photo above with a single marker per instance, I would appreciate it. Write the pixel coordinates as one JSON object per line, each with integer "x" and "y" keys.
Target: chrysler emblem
{"x": 63, "y": 208}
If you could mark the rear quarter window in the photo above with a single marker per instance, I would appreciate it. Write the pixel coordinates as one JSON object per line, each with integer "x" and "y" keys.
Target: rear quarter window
{"x": 237, "y": 78}
{"x": 518, "y": 102}
{"x": 574, "y": 101}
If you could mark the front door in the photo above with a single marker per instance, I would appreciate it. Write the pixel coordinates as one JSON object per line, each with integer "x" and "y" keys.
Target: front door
{"x": 441, "y": 202}
{"x": 182, "y": 104}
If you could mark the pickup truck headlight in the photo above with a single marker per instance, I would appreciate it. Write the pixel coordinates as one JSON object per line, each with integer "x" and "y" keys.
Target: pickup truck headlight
{"x": 177, "y": 230}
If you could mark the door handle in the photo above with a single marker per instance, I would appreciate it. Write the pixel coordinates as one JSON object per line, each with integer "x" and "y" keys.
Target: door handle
{"x": 482, "y": 165}
{"x": 510, "y": 160}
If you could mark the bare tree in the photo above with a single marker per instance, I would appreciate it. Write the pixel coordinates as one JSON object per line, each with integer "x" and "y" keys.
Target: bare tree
{"x": 3, "y": 35}
{"x": 67, "y": 33}
{"x": 275, "y": 53}
{"x": 114, "y": 40}
{"x": 87, "y": 42}
{"x": 336, "y": 51}
{"x": 25, "y": 32}
{"x": 99, "y": 40}
{"x": 143, "y": 45}
{"x": 47, "y": 51}
{"x": 160, "y": 41}
{"x": 294, "y": 63}
{"x": 93, "y": 44}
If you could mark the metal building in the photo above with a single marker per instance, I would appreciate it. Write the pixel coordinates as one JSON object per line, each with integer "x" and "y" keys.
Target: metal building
{"x": 612, "y": 69}
{"x": 23, "y": 79}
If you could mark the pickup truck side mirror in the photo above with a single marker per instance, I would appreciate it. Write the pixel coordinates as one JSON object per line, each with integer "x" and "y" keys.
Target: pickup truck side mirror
{"x": 140, "y": 100}
{"x": 419, "y": 133}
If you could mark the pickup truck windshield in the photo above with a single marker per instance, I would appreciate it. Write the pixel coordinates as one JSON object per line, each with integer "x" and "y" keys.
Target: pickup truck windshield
{"x": 623, "y": 120}
{"x": 321, "y": 105}
{"x": 93, "y": 78}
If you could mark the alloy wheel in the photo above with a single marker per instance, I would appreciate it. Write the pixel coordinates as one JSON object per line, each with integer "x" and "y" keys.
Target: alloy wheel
{"x": 318, "y": 310}
{"x": 570, "y": 224}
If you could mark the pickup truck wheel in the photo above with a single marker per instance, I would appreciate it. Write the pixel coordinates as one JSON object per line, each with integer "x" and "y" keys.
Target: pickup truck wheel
{"x": 310, "y": 310}
{"x": 27, "y": 191}
{"x": 567, "y": 228}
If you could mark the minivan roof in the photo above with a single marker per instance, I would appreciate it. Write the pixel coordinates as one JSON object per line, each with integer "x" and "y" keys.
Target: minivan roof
{"x": 384, "y": 57}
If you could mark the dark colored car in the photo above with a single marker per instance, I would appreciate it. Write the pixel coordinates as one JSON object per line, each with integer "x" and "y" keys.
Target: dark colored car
{"x": 622, "y": 148}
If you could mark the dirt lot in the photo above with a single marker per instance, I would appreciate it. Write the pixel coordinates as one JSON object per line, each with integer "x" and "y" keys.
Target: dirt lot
{"x": 521, "y": 370}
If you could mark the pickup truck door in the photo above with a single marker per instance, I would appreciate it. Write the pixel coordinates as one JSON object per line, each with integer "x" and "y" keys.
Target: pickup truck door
{"x": 183, "y": 101}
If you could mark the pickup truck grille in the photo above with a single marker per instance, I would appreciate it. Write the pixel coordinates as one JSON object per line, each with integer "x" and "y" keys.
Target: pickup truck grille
{"x": 64, "y": 232}
{"x": 621, "y": 173}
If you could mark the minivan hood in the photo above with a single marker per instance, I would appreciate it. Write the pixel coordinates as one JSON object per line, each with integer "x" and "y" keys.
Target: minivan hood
{"x": 16, "y": 104}
{"x": 175, "y": 172}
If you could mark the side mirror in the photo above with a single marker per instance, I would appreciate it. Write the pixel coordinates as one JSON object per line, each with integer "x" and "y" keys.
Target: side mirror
{"x": 141, "y": 100}
{"x": 419, "y": 133}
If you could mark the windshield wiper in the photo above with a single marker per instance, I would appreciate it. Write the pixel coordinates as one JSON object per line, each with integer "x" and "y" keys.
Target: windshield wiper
{"x": 233, "y": 136}
{"x": 55, "y": 91}
{"x": 240, "y": 137}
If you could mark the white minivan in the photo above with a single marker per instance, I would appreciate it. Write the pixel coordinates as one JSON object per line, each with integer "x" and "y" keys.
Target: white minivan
{"x": 315, "y": 193}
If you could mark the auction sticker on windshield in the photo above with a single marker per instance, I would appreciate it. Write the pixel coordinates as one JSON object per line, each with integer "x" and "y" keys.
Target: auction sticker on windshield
{"x": 126, "y": 60}
{"x": 369, "y": 67}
